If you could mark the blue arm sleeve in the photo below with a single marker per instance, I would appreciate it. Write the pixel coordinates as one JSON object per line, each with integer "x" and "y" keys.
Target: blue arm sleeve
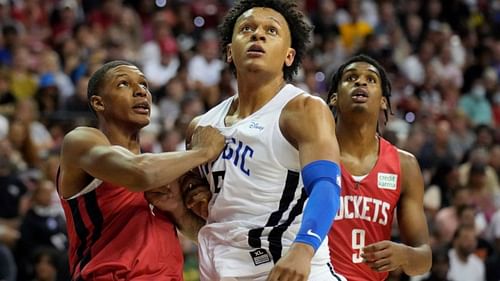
{"x": 322, "y": 183}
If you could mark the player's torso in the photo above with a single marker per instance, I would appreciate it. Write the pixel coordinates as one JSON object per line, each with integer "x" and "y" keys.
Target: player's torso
{"x": 258, "y": 166}
{"x": 103, "y": 230}
{"x": 366, "y": 213}
{"x": 258, "y": 196}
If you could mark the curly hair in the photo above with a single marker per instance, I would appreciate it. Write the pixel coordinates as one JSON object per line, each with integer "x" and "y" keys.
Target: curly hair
{"x": 299, "y": 29}
{"x": 386, "y": 83}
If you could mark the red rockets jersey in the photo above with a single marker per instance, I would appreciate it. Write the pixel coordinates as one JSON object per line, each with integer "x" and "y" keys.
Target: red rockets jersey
{"x": 365, "y": 215}
{"x": 114, "y": 235}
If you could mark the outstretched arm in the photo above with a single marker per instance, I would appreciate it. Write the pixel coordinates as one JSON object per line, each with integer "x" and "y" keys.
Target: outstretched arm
{"x": 414, "y": 257}
{"x": 88, "y": 151}
{"x": 308, "y": 124}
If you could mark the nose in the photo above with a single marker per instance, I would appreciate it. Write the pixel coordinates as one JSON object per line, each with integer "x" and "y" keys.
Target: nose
{"x": 258, "y": 34}
{"x": 140, "y": 91}
{"x": 360, "y": 82}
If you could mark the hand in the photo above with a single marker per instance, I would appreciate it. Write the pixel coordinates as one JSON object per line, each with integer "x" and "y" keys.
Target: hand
{"x": 384, "y": 255}
{"x": 209, "y": 139}
{"x": 196, "y": 193}
{"x": 167, "y": 198}
{"x": 294, "y": 265}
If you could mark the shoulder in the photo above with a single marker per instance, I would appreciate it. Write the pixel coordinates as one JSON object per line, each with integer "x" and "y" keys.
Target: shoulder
{"x": 305, "y": 101}
{"x": 81, "y": 139}
{"x": 407, "y": 159}
{"x": 412, "y": 178}
{"x": 306, "y": 117}
{"x": 82, "y": 134}
{"x": 304, "y": 107}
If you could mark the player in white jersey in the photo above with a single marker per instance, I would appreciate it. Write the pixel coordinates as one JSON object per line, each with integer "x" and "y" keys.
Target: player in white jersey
{"x": 276, "y": 185}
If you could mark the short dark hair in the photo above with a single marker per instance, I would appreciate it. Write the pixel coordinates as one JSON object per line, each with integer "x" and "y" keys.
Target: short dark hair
{"x": 97, "y": 78}
{"x": 386, "y": 83}
{"x": 299, "y": 29}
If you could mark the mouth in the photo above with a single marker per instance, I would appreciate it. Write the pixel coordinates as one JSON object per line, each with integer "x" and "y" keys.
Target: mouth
{"x": 142, "y": 108}
{"x": 256, "y": 50}
{"x": 359, "y": 95}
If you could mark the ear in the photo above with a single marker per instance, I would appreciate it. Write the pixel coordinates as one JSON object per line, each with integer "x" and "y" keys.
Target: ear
{"x": 290, "y": 56}
{"x": 333, "y": 100}
{"x": 383, "y": 103}
{"x": 97, "y": 103}
{"x": 229, "y": 54}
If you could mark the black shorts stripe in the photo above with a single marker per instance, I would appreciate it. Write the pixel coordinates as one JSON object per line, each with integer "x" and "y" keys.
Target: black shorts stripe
{"x": 333, "y": 271}
{"x": 291, "y": 184}
{"x": 275, "y": 243}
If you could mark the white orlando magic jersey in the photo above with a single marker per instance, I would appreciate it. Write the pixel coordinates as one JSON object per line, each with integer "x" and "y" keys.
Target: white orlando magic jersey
{"x": 258, "y": 195}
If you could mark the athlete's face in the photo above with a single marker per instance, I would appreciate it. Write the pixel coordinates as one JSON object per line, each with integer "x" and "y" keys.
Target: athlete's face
{"x": 261, "y": 42}
{"x": 125, "y": 97}
{"x": 360, "y": 89}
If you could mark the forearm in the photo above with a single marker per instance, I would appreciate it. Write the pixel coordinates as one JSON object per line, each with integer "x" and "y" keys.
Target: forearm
{"x": 161, "y": 169}
{"x": 140, "y": 172}
{"x": 324, "y": 196}
{"x": 418, "y": 260}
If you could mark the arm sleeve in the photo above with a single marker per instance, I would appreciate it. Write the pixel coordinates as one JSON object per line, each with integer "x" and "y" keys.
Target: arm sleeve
{"x": 322, "y": 184}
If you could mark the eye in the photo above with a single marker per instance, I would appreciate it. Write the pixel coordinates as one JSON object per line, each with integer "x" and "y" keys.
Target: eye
{"x": 372, "y": 79}
{"x": 273, "y": 30}
{"x": 246, "y": 28}
{"x": 144, "y": 85}
{"x": 351, "y": 78}
{"x": 123, "y": 83}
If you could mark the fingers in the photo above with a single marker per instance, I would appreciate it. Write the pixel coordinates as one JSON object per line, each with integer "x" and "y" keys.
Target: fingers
{"x": 381, "y": 265}
{"x": 378, "y": 246}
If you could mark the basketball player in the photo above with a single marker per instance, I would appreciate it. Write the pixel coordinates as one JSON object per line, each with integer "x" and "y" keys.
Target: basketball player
{"x": 113, "y": 234}
{"x": 276, "y": 184}
{"x": 376, "y": 178}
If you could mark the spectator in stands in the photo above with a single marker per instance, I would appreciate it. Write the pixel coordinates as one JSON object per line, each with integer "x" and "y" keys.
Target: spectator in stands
{"x": 464, "y": 264}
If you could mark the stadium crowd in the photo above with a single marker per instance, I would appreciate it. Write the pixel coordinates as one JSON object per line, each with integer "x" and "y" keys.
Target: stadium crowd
{"x": 442, "y": 56}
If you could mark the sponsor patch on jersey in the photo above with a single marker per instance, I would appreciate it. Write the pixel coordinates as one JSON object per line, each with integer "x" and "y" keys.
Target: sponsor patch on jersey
{"x": 387, "y": 181}
{"x": 260, "y": 256}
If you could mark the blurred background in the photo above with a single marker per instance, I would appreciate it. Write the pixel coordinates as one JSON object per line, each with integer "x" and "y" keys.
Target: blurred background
{"x": 442, "y": 56}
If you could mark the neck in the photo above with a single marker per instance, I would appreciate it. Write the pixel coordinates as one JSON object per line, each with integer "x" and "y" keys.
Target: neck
{"x": 356, "y": 136}
{"x": 117, "y": 135}
{"x": 255, "y": 91}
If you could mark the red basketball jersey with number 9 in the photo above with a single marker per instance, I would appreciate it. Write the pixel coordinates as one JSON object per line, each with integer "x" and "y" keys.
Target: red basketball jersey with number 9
{"x": 365, "y": 215}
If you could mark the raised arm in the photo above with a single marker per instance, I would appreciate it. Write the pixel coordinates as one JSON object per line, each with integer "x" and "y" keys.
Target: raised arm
{"x": 308, "y": 124}
{"x": 88, "y": 151}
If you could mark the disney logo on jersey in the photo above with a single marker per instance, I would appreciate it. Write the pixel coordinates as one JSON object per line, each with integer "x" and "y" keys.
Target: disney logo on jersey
{"x": 387, "y": 181}
{"x": 255, "y": 125}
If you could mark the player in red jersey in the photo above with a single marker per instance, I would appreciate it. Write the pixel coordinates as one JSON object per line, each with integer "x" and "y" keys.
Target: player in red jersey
{"x": 114, "y": 235}
{"x": 376, "y": 178}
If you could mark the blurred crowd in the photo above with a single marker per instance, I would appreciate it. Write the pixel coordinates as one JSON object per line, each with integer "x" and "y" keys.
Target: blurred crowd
{"x": 442, "y": 56}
